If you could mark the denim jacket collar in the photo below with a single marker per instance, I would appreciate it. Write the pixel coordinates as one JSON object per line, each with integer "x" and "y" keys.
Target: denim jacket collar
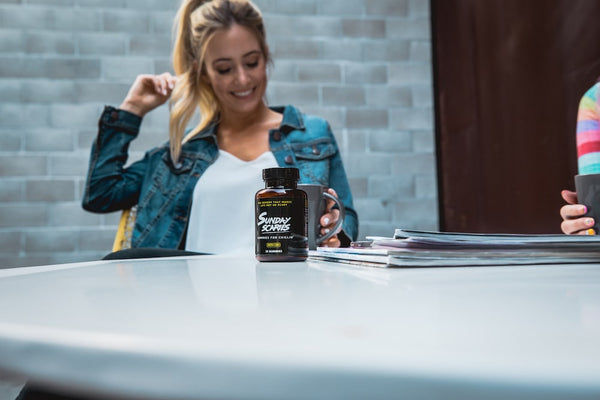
{"x": 292, "y": 120}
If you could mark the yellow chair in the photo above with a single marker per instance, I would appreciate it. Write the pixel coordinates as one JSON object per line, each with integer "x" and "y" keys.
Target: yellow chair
{"x": 125, "y": 229}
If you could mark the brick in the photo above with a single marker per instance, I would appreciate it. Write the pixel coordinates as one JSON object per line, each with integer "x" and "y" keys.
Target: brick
{"x": 24, "y": 17}
{"x": 392, "y": 187}
{"x": 359, "y": 73}
{"x": 365, "y": 165}
{"x": 363, "y": 28}
{"x": 11, "y": 41}
{"x": 163, "y": 65}
{"x": 23, "y": 261}
{"x": 418, "y": 214}
{"x": 102, "y": 43}
{"x": 162, "y": 21}
{"x": 74, "y": 115}
{"x": 49, "y": 43}
{"x": 23, "y": 115}
{"x": 52, "y": 2}
{"x": 414, "y": 164}
{"x": 72, "y": 214}
{"x": 369, "y": 228}
{"x": 126, "y": 68}
{"x": 20, "y": 165}
{"x": 319, "y": 72}
{"x": 304, "y": 7}
{"x": 157, "y": 119}
{"x": 44, "y": 139}
{"x": 422, "y": 95}
{"x": 100, "y": 92}
{"x": 101, "y": 3}
{"x": 390, "y": 141}
{"x": 357, "y": 141}
{"x": 11, "y": 190}
{"x": 85, "y": 138}
{"x": 10, "y": 89}
{"x": 10, "y": 139}
{"x": 151, "y": 4}
{"x": 389, "y": 96}
{"x": 384, "y": 50}
{"x": 426, "y": 186}
{"x": 284, "y": 71}
{"x": 295, "y": 49}
{"x": 150, "y": 45}
{"x": 76, "y": 256}
{"x": 97, "y": 239}
{"x": 341, "y": 8}
{"x": 333, "y": 115}
{"x": 130, "y": 21}
{"x": 416, "y": 118}
{"x": 419, "y": 8}
{"x": 70, "y": 164}
{"x": 420, "y": 51}
{"x": 387, "y": 7}
{"x": 23, "y": 215}
{"x": 410, "y": 73}
{"x": 47, "y": 91}
{"x": 295, "y": 93}
{"x": 148, "y": 139}
{"x": 281, "y": 26}
{"x": 111, "y": 220}
{"x": 10, "y": 243}
{"x": 423, "y": 141}
{"x": 51, "y": 241}
{"x": 408, "y": 28}
{"x": 375, "y": 209}
{"x": 362, "y": 118}
{"x": 359, "y": 187}
{"x": 344, "y": 96}
{"x": 49, "y": 190}
{"x": 75, "y": 20}
{"x": 51, "y": 68}
{"x": 342, "y": 50}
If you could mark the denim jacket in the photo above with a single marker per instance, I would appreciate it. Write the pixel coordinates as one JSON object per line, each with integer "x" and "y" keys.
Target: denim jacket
{"x": 163, "y": 191}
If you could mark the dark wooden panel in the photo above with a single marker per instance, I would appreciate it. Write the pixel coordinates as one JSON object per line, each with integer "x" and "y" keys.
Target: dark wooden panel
{"x": 508, "y": 77}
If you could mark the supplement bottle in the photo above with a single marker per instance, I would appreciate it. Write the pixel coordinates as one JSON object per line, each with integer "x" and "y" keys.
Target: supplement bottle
{"x": 281, "y": 211}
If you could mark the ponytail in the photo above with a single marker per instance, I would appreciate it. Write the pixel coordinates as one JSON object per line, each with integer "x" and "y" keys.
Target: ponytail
{"x": 189, "y": 93}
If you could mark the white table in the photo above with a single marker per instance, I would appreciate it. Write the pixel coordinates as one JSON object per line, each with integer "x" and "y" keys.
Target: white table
{"x": 228, "y": 327}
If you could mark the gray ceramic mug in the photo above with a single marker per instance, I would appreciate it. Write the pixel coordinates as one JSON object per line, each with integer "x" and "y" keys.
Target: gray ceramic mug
{"x": 317, "y": 204}
{"x": 588, "y": 193}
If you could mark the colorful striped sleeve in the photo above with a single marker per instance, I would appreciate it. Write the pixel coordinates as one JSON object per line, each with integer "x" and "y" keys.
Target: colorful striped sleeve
{"x": 588, "y": 132}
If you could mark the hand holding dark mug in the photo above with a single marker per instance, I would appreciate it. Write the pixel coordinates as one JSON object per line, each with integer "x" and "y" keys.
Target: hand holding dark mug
{"x": 317, "y": 206}
{"x": 583, "y": 218}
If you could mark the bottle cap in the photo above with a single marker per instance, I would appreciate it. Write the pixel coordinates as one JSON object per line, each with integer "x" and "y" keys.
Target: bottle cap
{"x": 281, "y": 173}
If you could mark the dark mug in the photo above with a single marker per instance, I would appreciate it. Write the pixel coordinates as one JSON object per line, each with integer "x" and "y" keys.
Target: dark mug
{"x": 317, "y": 204}
{"x": 588, "y": 193}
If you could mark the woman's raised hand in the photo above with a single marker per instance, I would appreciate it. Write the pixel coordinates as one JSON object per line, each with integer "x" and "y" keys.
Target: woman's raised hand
{"x": 572, "y": 214}
{"x": 148, "y": 92}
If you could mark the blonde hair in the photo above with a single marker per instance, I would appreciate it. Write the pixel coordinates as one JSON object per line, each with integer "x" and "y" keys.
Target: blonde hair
{"x": 195, "y": 24}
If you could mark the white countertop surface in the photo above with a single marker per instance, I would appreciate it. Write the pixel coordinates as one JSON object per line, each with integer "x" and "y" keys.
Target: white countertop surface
{"x": 229, "y": 327}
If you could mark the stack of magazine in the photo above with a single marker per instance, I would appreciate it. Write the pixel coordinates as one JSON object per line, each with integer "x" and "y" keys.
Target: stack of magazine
{"x": 413, "y": 248}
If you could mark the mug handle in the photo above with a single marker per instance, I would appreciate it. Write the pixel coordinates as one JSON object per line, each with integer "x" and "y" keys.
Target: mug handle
{"x": 340, "y": 221}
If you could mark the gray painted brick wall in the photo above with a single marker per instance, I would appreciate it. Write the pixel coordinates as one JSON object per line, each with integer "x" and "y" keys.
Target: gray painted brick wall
{"x": 365, "y": 65}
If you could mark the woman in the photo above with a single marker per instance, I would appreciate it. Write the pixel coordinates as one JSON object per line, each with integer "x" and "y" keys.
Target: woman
{"x": 197, "y": 193}
{"x": 588, "y": 148}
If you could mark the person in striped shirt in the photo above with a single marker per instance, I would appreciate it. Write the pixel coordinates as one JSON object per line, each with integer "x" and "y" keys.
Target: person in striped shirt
{"x": 588, "y": 161}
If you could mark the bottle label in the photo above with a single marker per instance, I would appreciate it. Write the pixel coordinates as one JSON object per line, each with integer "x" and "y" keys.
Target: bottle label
{"x": 281, "y": 226}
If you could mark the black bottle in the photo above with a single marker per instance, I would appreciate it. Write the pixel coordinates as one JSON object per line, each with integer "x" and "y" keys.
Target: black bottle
{"x": 281, "y": 212}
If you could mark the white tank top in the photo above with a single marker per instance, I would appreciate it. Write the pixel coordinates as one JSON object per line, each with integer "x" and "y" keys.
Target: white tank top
{"x": 222, "y": 214}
